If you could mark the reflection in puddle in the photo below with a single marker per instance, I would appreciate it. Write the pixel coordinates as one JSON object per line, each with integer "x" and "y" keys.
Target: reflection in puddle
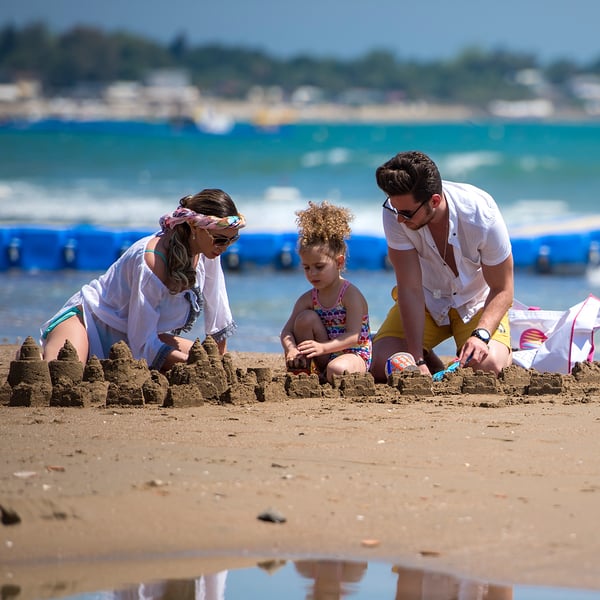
{"x": 317, "y": 580}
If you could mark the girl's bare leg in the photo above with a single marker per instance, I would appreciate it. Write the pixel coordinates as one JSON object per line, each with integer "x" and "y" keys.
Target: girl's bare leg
{"x": 308, "y": 326}
{"x": 346, "y": 363}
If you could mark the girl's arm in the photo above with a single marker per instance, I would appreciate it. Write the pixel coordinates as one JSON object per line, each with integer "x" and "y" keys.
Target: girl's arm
{"x": 288, "y": 340}
{"x": 356, "y": 307}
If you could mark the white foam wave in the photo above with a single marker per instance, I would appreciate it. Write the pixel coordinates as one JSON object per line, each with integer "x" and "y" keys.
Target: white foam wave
{"x": 28, "y": 203}
{"x": 334, "y": 156}
{"x": 461, "y": 165}
{"x": 273, "y": 211}
{"x": 530, "y": 163}
{"x": 525, "y": 212}
{"x": 267, "y": 215}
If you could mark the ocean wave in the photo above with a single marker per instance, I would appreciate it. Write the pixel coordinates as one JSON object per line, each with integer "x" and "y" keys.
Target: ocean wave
{"x": 525, "y": 212}
{"x": 273, "y": 211}
{"x": 463, "y": 164}
{"x": 333, "y": 156}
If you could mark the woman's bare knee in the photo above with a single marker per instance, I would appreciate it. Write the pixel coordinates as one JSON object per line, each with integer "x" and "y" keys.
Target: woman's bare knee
{"x": 73, "y": 330}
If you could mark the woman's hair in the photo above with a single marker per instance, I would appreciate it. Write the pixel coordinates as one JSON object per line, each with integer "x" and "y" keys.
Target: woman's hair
{"x": 324, "y": 225}
{"x": 410, "y": 173}
{"x": 214, "y": 202}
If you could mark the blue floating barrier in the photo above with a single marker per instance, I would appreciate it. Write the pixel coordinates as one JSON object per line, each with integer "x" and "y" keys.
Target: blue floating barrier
{"x": 594, "y": 254}
{"x": 91, "y": 248}
{"x": 96, "y": 248}
{"x": 7, "y": 254}
{"x": 287, "y": 257}
{"x": 543, "y": 260}
{"x": 130, "y": 236}
{"x": 366, "y": 252}
{"x": 525, "y": 252}
{"x": 230, "y": 259}
{"x": 38, "y": 248}
{"x": 595, "y": 235}
{"x": 563, "y": 253}
{"x": 259, "y": 249}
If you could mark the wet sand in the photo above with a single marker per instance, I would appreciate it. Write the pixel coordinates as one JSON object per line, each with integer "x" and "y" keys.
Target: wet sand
{"x": 498, "y": 486}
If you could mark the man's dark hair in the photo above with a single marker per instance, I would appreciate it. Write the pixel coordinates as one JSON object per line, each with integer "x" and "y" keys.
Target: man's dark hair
{"x": 410, "y": 173}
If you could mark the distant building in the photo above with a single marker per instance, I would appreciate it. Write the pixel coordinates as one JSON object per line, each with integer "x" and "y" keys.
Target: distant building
{"x": 167, "y": 88}
{"x": 22, "y": 89}
{"x": 539, "y": 108}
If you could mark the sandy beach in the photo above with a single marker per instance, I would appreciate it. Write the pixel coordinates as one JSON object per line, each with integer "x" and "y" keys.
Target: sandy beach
{"x": 493, "y": 486}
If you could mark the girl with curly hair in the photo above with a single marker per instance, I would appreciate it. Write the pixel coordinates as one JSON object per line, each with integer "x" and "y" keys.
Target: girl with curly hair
{"x": 328, "y": 331}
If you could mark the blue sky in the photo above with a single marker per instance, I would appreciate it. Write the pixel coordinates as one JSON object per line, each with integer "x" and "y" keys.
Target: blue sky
{"x": 421, "y": 29}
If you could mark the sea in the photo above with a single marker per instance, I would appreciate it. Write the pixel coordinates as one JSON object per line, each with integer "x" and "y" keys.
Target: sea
{"x": 126, "y": 176}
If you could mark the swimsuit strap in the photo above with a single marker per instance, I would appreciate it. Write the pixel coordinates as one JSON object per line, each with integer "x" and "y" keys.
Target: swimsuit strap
{"x": 343, "y": 290}
{"x": 159, "y": 254}
{"x": 317, "y": 302}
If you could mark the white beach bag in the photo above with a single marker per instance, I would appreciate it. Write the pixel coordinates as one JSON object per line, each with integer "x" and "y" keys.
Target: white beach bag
{"x": 553, "y": 340}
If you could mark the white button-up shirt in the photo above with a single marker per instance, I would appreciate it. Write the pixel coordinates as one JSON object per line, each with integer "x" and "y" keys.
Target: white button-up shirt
{"x": 477, "y": 234}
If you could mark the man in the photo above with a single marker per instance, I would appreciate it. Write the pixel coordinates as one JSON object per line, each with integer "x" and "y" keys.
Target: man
{"x": 452, "y": 256}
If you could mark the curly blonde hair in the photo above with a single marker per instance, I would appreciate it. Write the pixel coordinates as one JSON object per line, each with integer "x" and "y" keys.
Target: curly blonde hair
{"x": 326, "y": 226}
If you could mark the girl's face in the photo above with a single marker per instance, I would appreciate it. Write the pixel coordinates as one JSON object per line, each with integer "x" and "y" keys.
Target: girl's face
{"x": 320, "y": 269}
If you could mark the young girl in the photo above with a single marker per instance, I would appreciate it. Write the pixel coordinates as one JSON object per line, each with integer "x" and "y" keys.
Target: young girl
{"x": 329, "y": 325}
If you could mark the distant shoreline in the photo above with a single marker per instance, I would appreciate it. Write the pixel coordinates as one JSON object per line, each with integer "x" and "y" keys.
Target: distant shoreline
{"x": 266, "y": 115}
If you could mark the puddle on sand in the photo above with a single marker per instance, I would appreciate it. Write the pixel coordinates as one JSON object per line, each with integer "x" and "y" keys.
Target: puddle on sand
{"x": 302, "y": 580}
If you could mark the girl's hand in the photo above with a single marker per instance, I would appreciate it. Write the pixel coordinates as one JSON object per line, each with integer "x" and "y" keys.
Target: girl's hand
{"x": 296, "y": 360}
{"x": 311, "y": 348}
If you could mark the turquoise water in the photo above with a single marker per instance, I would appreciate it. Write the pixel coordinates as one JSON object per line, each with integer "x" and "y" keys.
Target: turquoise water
{"x": 129, "y": 177}
{"x": 533, "y": 170}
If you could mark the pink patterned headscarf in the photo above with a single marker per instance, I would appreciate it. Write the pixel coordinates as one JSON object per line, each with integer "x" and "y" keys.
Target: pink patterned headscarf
{"x": 185, "y": 215}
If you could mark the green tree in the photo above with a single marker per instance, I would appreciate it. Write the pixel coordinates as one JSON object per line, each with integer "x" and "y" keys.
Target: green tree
{"x": 86, "y": 54}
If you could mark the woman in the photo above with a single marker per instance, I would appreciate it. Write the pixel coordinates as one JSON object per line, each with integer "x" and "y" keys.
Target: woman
{"x": 156, "y": 290}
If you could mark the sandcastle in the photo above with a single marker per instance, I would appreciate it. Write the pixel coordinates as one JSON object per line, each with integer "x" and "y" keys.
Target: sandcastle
{"x": 208, "y": 377}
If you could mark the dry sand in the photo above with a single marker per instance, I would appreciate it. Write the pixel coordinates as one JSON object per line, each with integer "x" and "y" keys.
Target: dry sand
{"x": 502, "y": 487}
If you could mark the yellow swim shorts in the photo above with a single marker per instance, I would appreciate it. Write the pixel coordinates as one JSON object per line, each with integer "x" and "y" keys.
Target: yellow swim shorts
{"x": 435, "y": 334}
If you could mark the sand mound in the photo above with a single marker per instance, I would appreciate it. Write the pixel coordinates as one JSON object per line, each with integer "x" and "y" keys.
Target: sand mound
{"x": 208, "y": 377}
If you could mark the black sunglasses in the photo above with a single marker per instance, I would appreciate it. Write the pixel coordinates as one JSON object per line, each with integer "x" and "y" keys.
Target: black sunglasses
{"x": 407, "y": 215}
{"x": 222, "y": 240}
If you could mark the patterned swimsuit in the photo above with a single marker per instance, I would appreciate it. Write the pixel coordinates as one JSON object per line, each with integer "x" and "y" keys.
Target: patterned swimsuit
{"x": 334, "y": 319}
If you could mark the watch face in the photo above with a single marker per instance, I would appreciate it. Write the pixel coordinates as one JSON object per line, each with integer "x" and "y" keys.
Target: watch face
{"x": 482, "y": 334}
